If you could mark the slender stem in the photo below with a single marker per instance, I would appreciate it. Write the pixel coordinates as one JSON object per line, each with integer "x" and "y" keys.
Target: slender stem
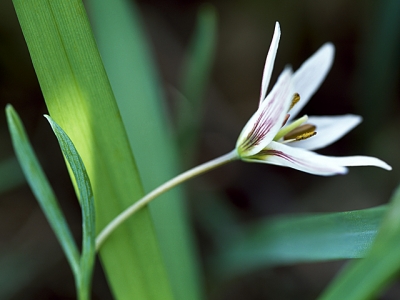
{"x": 212, "y": 164}
{"x": 83, "y": 289}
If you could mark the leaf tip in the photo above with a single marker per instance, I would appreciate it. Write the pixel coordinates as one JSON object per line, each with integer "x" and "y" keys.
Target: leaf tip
{"x": 9, "y": 109}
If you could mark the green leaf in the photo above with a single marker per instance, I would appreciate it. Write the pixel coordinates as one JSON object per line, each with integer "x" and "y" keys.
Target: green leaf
{"x": 41, "y": 188}
{"x": 129, "y": 65}
{"x": 195, "y": 77}
{"x": 87, "y": 206}
{"x": 365, "y": 279}
{"x": 79, "y": 98}
{"x": 294, "y": 239}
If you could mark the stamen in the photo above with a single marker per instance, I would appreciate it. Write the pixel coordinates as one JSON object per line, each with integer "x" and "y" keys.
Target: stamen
{"x": 300, "y": 133}
{"x": 305, "y": 135}
{"x": 289, "y": 128}
{"x": 286, "y": 119}
{"x": 296, "y": 98}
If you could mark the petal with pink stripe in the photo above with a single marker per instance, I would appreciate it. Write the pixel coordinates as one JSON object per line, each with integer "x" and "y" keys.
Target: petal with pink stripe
{"x": 267, "y": 120}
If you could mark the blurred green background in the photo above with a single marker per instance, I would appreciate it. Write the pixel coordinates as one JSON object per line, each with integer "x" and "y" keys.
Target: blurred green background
{"x": 363, "y": 80}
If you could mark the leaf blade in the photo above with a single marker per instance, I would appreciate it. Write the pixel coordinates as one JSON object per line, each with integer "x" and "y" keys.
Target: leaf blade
{"x": 194, "y": 79}
{"x": 126, "y": 56}
{"x": 79, "y": 98}
{"x": 87, "y": 206}
{"x": 288, "y": 240}
{"x": 41, "y": 188}
{"x": 365, "y": 278}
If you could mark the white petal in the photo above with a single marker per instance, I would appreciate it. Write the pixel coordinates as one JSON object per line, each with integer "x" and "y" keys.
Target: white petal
{"x": 313, "y": 163}
{"x": 299, "y": 159}
{"x": 329, "y": 130}
{"x": 267, "y": 120}
{"x": 269, "y": 62}
{"x": 310, "y": 75}
{"x": 352, "y": 161}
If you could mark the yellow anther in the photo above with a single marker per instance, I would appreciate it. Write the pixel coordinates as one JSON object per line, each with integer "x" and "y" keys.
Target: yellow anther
{"x": 301, "y": 132}
{"x": 289, "y": 128}
{"x": 305, "y": 135}
{"x": 296, "y": 98}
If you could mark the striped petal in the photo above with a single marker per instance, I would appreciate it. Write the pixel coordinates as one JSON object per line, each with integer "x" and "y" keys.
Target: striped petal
{"x": 299, "y": 159}
{"x": 311, "y": 74}
{"x": 313, "y": 163}
{"x": 329, "y": 130}
{"x": 269, "y": 62}
{"x": 267, "y": 120}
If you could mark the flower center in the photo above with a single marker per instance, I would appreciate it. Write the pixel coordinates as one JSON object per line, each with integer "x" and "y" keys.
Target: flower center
{"x": 297, "y": 130}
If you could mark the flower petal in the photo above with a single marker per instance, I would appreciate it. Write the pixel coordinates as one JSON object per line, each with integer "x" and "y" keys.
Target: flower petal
{"x": 329, "y": 130}
{"x": 267, "y": 120}
{"x": 299, "y": 159}
{"x": 311, "y": 162}
{"x": 269, "y": 62}
{"x": 310, "y": 75}
{"x": 353, "y": 161}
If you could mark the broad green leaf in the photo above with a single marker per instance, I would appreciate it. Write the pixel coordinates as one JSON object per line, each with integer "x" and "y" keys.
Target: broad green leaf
{"x": 129, "y": 65}
{"x": 293, "y": 239}
{"x": 195, "y": 77}
{"x": 41, "y": 188}
{"x": 87, "y": 207}
{"x": 79, "y": 98}
{"x": 365, "y": 279}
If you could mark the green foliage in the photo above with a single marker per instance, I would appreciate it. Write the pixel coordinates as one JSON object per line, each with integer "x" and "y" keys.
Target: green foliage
{"x": 293, "y": 239}
{"x": 81, "y": 265}
{"x": 194, "y": 79}
{"x": 129, "y": 65}
{"x": 87, "y": 206}
{"x": 41, "y": 188}
{"x": 365, "y": 279}
{"x": 127, "y": 148}
{"x": 79, "y": 98}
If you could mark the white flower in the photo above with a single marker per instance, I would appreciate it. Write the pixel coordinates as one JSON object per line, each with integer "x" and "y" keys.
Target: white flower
{"x": 273, "y": 136}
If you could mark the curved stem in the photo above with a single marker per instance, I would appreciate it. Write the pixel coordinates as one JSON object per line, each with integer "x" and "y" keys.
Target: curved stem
{"x": 212, "y": 164}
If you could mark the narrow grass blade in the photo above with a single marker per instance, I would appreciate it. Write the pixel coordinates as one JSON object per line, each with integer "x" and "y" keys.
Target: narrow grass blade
{"x": 129, "y": 65}
{"x": 288, "y": 240}
{"x": 195, "y": 77}
{"x": 87, "y": 206}
{"x": 41, "y": 188}
{"x": 365, "y": 279}
{"x": 79, "y": 98}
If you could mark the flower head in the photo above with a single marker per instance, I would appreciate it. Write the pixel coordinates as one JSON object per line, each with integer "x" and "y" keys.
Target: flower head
{"x": 273, "y": 136}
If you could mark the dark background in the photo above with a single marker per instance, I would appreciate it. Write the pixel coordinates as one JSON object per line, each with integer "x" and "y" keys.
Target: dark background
{"x": 363, "y": 80}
